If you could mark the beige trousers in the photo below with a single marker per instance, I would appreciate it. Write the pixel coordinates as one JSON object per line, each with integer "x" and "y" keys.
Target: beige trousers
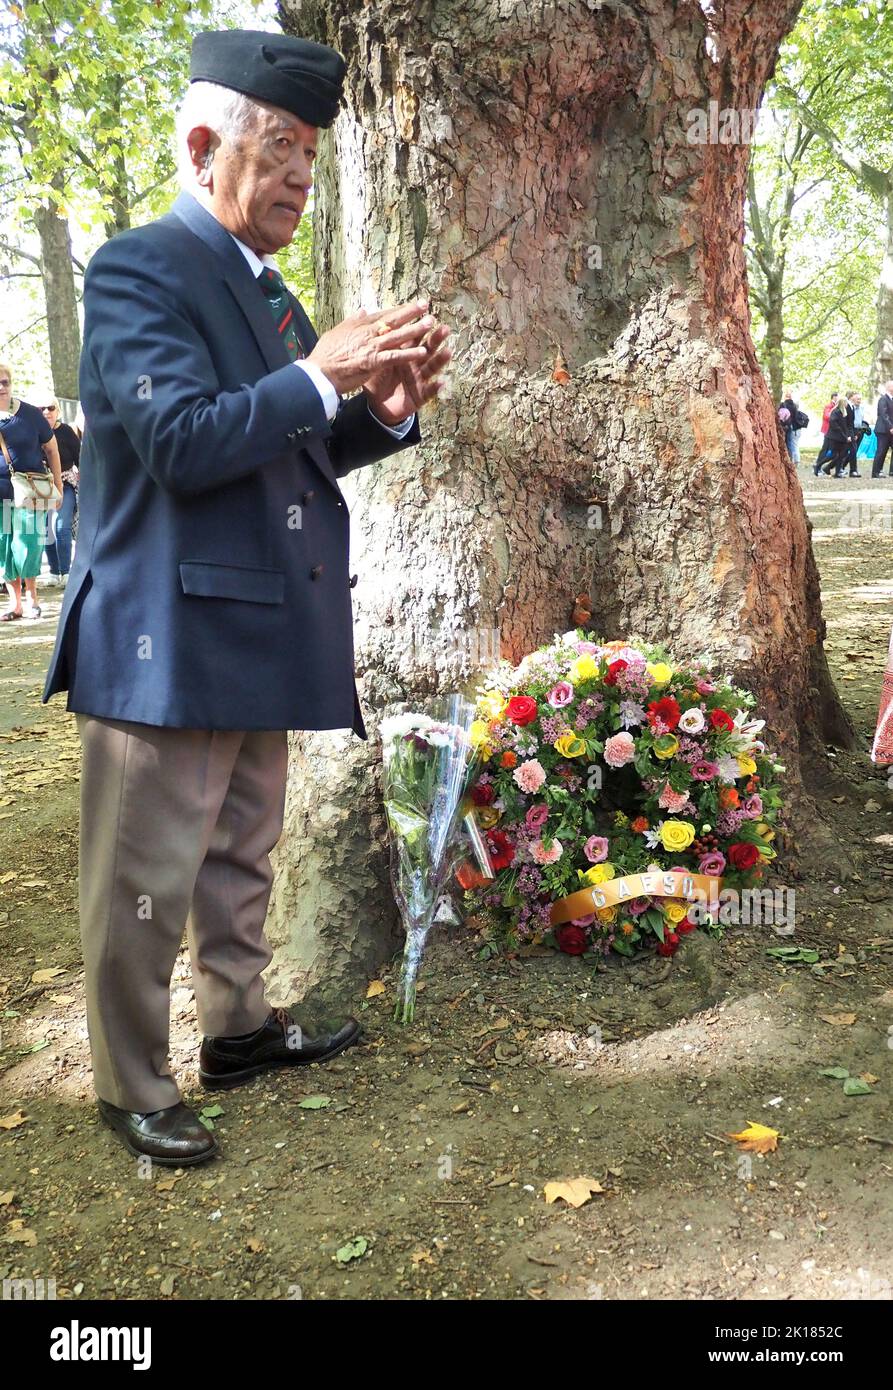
{"x": 176, "y": 830}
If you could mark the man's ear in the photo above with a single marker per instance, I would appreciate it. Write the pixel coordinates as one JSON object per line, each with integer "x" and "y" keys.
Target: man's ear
{"x": 202, "y": 143}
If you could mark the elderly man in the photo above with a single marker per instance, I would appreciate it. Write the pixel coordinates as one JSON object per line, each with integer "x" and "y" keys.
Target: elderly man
{"x": 209, "y": 608}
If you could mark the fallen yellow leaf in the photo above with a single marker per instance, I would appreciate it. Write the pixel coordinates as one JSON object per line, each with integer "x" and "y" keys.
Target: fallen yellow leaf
{"x": 575, "y": 1191}
{"x": 867, "y": 1077}
{"x": 43, "y": 977}
{"x": 375, "y": 987}
{"x": 6, "y": 1198}
{"x": 839, "y": 1020}
{"x": 13, "y": 1121}
{"x": 757, "y": 1139}
{"x": 20, "y": 1233}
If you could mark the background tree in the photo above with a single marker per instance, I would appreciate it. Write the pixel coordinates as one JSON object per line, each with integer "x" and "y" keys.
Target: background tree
{"x": 837, "y": 76}
{"x": 88, "y": 94}
{"x": 553, "y": 177}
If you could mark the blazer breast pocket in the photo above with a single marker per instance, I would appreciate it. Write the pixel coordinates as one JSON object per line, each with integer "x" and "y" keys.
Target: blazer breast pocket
{"x": 203, "y": 579}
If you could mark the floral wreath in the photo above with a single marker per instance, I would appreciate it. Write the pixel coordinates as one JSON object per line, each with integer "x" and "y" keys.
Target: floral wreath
{"x": 604, "y": 760}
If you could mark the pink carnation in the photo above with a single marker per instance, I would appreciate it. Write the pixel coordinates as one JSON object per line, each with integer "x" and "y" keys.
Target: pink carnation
{"x": 537, "y": 816}
{"x": 560, "y": 695}
{"x": 672, "y": 801}
{"x": 620, "y": 749}
{"x": 530, "y": 776}
{"x": 596, "y": 849}
{"x": 587, "y": 648}
{"x": 546, "y": 856}
{"x": 704, "y": 687}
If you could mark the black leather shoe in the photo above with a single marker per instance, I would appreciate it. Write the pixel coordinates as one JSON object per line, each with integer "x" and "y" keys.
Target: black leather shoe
{"x": 289, "y": 1038}
{"x": 173, "y": 1136}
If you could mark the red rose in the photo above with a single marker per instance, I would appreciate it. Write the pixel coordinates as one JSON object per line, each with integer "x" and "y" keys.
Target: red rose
{"x": 482, "y": 794}
{"x": 571, "y": 940}
{"x": 614, "y": 670}
{"x": 686, "y": 925}
{"x": 743, "y": 855}
{"x": 502, "y": 851}
{"x": 667, "y": 948}
{"x": 521, "y": 710}
{"x": 720, "y": 720}
{"x": 667, "y": 710}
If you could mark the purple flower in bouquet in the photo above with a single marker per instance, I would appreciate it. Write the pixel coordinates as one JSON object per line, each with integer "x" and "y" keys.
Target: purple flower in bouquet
{"x": 704, "y": 771}
{"x": 583, "y": 921}
{"x": 596, "y": 849}
{"x": 712, "y": 863}
{"x": 554, "y": 728}
{"x": 632, "y": 714}
{"x": 704, "y": 686}
{"x": 753, "y": 807}
{"x": 728, "y": 823}
{"x": 537, "y": 816}
{"x": 636, "y": 906}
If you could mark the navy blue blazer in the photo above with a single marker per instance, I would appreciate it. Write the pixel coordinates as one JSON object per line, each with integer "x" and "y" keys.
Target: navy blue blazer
{"x": 210, "y": 588}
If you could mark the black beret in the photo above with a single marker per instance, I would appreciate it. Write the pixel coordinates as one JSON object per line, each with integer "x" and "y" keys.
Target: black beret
{"x": 300, "y": 76}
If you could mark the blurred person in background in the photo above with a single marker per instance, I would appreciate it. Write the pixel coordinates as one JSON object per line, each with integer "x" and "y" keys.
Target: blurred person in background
{"x": 59, "y": 523}
{"x": 27, "y": 445}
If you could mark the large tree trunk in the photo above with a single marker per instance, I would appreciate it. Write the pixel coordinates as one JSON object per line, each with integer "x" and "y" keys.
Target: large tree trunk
{"x": 530, "y": 167}
{"x": 63, "y": 326}
{"x": 882, "y": 357}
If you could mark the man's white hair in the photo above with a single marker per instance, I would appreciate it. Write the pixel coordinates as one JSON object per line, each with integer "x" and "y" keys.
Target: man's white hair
{"x": 226, "y": 112}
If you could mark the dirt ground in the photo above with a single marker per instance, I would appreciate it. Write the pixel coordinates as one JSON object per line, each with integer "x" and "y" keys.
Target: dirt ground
{"x": 423, "y": 1174}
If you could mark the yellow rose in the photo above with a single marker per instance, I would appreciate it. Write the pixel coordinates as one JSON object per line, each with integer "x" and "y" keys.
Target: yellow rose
{"x": 487, "y": 816}
{"x": 660, "y": 672}
{"x": 569, "y": 746}
{"x": 675, "y": 911}
{"x": 667, "y": 746}
{"x": 606, "y": 914}
{"x": 599, "y": 873}
{"x": 493, "y": 704}
{"x": 746, "y": 765}
{"x": 585, "y": 668}
{"x": 676, "y": 835}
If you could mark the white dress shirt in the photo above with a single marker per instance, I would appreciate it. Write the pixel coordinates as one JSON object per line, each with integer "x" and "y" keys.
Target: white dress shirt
{"x": 325, "y": 388}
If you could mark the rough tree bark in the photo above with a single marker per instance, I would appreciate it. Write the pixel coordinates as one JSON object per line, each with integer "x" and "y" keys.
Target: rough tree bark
{"x": 530, "y": 167}
{"x": 63, "y": 326}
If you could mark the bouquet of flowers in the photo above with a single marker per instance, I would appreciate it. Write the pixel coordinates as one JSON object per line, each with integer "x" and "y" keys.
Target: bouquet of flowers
{"x": 429, "y": 764}
{"x": 606, "y": 760}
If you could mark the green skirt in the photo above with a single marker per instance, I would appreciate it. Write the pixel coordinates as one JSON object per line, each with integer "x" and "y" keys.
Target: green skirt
{"x": 22, "y": 539}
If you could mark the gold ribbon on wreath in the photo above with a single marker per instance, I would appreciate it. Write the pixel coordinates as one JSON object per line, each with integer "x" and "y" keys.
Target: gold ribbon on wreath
{"x": 670, "y": 883}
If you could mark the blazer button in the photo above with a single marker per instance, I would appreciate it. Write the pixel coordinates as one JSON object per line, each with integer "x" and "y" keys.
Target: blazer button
{"x": 353, "y": 580}
{"x": 316, "y": 572}
{"x": 307, "y": 497}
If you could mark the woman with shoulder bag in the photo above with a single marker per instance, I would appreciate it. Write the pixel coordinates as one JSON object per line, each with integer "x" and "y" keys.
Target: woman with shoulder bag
{"x": 30, "y": 487}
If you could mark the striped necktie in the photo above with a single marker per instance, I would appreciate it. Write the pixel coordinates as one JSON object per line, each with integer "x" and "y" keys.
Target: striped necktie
{"x": 276, "y": 295}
